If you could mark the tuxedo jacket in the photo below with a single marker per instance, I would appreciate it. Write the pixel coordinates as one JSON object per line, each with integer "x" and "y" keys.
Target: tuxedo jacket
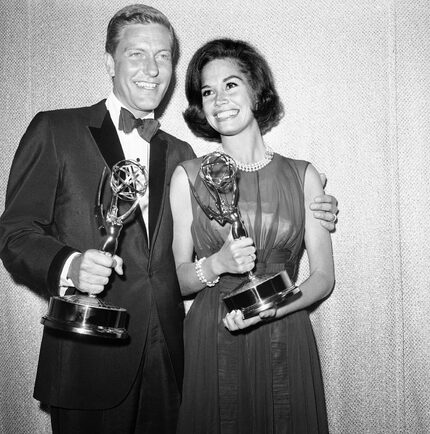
{"x": 49, "y": 214}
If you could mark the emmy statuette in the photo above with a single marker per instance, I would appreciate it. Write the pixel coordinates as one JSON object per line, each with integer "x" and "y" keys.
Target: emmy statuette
{"x": 87, "y": 314}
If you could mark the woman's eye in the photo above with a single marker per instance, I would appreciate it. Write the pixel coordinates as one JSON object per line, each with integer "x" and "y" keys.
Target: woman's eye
{"x": 206, "y": 93}
{"x": 231, "y": 85}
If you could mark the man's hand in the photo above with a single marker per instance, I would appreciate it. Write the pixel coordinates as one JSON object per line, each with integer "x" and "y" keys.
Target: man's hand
{"x": 91, "y": 270}
{"x": 325, "y": 208}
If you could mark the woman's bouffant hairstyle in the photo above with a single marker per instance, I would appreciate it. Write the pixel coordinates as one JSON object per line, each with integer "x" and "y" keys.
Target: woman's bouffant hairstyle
{"x": 137, "y": 14}
{"x": 267, "y": 110}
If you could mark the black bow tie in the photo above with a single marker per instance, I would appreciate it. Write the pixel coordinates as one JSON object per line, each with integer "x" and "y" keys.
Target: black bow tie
{"x": 145, "y": 127}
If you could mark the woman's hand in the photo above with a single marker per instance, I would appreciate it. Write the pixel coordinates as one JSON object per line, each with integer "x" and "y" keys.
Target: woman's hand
{"x": 234, "y": 320}
{"x": 235, "y": 256}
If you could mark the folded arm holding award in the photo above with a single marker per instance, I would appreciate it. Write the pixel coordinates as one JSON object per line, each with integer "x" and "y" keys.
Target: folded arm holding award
{"x": 241, "y": 219}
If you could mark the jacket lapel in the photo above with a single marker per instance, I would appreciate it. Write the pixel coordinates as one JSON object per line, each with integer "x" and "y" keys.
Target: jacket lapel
{"x": 107, "y": 140}
{"x": 157, "y": 184}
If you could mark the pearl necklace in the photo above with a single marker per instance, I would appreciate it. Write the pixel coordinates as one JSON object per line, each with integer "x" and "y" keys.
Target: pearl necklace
{"x": 254, "y": 167}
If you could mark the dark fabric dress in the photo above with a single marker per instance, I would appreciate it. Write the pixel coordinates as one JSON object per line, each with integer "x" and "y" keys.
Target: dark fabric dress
{"x": 266, "y": 379}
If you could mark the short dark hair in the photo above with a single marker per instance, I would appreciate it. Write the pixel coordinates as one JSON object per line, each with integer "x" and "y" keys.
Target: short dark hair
{"x": 268, "y": 109}
{"x": 137, "y": 14}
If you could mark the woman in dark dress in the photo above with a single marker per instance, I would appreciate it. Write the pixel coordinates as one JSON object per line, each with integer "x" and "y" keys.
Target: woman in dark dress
{"x": 259, "y": 375}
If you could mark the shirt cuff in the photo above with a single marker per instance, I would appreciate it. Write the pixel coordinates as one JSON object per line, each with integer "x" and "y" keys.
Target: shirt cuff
{"x": 64, "y": 281}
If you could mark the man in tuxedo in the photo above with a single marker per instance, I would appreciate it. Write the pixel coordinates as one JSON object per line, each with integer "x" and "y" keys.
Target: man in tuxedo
{"x": 49, "y": 239}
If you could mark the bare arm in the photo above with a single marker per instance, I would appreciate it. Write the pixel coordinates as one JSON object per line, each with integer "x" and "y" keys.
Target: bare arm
{"x": 236, "y": 256}
{"x": 319, "y": 250}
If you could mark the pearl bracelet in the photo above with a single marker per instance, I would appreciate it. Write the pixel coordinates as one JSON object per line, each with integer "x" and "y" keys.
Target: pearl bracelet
{"x": 201, "y": 276}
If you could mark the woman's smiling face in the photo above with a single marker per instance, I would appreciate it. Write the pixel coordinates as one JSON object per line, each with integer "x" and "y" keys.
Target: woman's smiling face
{"x": 227, "y": 97}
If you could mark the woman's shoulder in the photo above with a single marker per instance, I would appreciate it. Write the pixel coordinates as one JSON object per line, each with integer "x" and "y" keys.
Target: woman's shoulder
{"x": 192, "y": 167}
{"x": 293, "y": 164}
{"x": 194, "y": 162}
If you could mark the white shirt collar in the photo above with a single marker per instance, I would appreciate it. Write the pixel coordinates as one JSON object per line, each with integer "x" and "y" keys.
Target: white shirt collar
{"x": 113, "y": 104}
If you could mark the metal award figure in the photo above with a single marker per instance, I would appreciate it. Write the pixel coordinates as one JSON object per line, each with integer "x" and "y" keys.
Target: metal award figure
{"x": 87, "y": 314}
{"x": 218, "y": 172}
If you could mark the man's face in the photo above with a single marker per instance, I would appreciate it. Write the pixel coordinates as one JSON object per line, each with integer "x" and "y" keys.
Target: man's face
{"x": 141, "y": 67}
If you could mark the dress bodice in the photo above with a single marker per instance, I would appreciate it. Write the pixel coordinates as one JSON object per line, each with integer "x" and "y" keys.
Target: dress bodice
{"x": 271, "y": 204}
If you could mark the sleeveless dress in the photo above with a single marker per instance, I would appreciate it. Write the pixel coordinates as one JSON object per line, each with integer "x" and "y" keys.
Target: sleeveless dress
{"x": 265, "y": 379}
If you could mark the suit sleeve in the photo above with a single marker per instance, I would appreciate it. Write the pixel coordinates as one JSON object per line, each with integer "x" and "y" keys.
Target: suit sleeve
{"x": 29, "y": 244}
